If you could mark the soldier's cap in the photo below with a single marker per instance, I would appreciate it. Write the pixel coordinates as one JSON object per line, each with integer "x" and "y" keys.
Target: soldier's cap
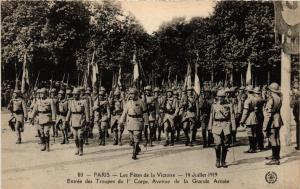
{"x": 242, "y": 88}
{"x": 249, "y": 88}
{"x": 221, "y": 93}
{"x": 68, "y": 91}
{"x": 102, "y": 89}
{"x": 61, "y": 92}
{"x": 156, "y": 89}
{"x": 17, "y": 91}
{"x": 147, "y": 88}
{"x": 43, "y": 90}
{"x": 133, "y": 91}
{"x": 76, "y": 91}
{"x": 274, "y": 87}
{"x": 257, "y": 90}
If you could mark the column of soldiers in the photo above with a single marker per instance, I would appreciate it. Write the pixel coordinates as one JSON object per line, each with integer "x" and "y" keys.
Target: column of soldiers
{"x": 217, "y": 111}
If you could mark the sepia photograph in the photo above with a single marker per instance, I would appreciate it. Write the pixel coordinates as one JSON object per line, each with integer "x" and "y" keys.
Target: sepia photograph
{"x": 121, "y": 94}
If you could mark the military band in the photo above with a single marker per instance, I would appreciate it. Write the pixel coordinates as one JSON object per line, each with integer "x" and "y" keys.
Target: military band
{"x": 218, "y": 111}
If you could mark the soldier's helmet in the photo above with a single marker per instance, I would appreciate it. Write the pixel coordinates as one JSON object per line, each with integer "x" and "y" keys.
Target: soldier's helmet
{"x": 147, "y": 88}
{"x": 68, "y": 91}
{"x": 76, "y": 91}
{"x": 53, "y": 90}
{"x": 242, "y": 88}
{"x": 102, "y": 89}
{"x": 227, "y": 90}
{"x": 43, "y": 90}
{"x": 156, "y": 89}
{"x": 133, "y": 91}
{"x": 233, "y": 89}
{"x": 17, "y": 91}
{"x": 61, "y": 92}
{"x": 117, "y": 92}
{"x": 249, "y": 88}
{"x": 87, "y": 91}
{"x": 169, "y": 91}
{"x": 221, "y": 93}
{"x": 101, "y": 92}
{"x": 274, "y": 87}
{"x": 257, "y": 90}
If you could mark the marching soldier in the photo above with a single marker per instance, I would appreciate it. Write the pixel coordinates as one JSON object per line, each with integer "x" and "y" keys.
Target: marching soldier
{"x": 241, "y": 97}
{"x": 170, "y": 108}
{"x": 116, "y": 109}
{"x": 62, "y": 110}
{"x": 101, "y": 115}
{"x": 159, "y": 124}
{"x": 221, "y": 122}
{"x": 190, "y": 114}
{"x": 249, "y": 119}
{"x": 85, "y": 95}
{"x": 78, "y": 117}
{"x": 90, "y": 101}
{"x": 205, "y": 108}
{"x": 260, "y": 118}
{"x": 136, "y": 116}
{"x": 178, "y": 117}
{"x": 273, "y": 122}
{"x": 296, "y": 113}
{"x": 18, "y": 108}
{"x": 52, "y": 96}
{"x": 153, "y": 110}
{"x": 46, "y": 112}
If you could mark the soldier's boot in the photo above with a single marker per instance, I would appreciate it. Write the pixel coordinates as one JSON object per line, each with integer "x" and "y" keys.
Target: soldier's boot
{"x": 71, "y": 136}
{"x": 254, "y": 144}
{"x": 100, "y": 137}
{"x": 187, "y": 142}
{"x": 138, "y": 149}
{"x": 154, "y": 133}
{"x": 134, "y": 152}
{"x": 159, "y": 133}
{"x": 218, "y": 155}
{"x": 251, "y": 150}
{"x": 43, "y": 143}
{"x": 120, "y": 138}
{"x": 103, "y": 139}
{"x": 77, "y": 146}
{"x": 210, "y": 139}
{"x": 172, "y": 138}
{"x": 177, "y": 135}
{"x": 80, "y": 147}
{"x": 224, "y": 154}
{"x": 166, "y": 142}
{"x": 233, "y": 134}
{"x": 40, "y": 137}
{"x": 19, "y": 137}
{"x": 48, "y": 143}
{"x": 275, "y": 156}
{"x": 116, "y": 140}
{"x": 191, "y": 138}
{"x": 66, "y": 137}
{"x": 204, "y": 136}
{"x": 146, "y": 137}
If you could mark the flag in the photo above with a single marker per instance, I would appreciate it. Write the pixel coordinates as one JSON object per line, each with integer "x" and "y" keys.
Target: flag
{"x": 248, "y": 75}
{"x": 120, "y": 77}
{"x": 95, "y": 71}
{"x": 188, "y": 78}
{"x": 197, "y": 81}
{"x": 136, "y": 72}
{"x": 287, "y": 23}
{"x": 25, "y": 75}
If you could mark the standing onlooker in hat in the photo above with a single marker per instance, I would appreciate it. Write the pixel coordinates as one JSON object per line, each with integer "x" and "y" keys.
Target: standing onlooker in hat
{"x": 273, "y": 122}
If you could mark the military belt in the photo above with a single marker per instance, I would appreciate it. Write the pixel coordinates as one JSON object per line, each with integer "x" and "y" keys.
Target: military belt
{"x": 223, "y": 119}
{"x": 44, "y": 112}
{"x": 135, "y": 116}
{"x": 18, "y": 112}
{"x": 62, "y": 113}
{"x": 77, "y": 112}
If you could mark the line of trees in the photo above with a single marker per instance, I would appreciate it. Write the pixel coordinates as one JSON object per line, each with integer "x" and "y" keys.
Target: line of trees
{"x": 60, "y": 37}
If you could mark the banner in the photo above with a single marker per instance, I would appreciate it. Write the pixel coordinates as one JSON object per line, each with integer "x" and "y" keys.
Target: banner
{"x": 25, "y": 75}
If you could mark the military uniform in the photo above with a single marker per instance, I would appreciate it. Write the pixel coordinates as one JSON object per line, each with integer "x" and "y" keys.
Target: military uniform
{"x": 221, "y": 122}
{"x": 170, "y": 108}
{"x": 46, "y": 112}
{"x": 85, "y": 95}
{"x": 53, "y": 97}
{"x": 116, "y": 109}
{"x": 159, "y": 124}
{"x": 153, "y": 111}
{"x": 190, "y": 115}
{"x": 136, "y": 116}
{"x": 260, "y": 118}
{"x": 249, "y": 118}
{"x": 101, "y": 116}
{"x": 18, "y": 108}
{"x": 62, "y": 110}
{"x": 273, "y": 122}
{"x": 78, "y": 117}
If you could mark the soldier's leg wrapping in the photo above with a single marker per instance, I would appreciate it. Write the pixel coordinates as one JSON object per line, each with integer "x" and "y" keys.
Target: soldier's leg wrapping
{"x": 185, "y": 126}
{"x": 75, "y": 134}
{"x": 225, "y": 142}
{"x": 167, "y": 129}
{"x": 116, "y": 133}
{"x": 104, "y": 130}
{"x": 41, "y": 128}
{"x": 217, "y": 139}
{"x": 47, "y": 128}
{"x": 80, "y": 137}
{"x": 18, "y": 131}
{"x": 121, "y": 133}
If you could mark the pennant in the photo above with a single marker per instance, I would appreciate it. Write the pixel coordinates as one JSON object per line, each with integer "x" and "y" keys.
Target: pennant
{"x": 248, "y": 75}
{"x": 120, "y": 77}
{"x": 197, "y": 81}
{"x": 95, "y": 71}
{"x": 136, "y": 73}
{"x": 25, "y": 75}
